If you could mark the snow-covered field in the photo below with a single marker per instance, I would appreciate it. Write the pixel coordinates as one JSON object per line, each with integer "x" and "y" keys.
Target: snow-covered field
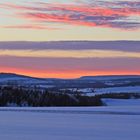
{"x": 97, "y": 91}
{"x": 68, "y": 123}
{"x": 128, "y": 89}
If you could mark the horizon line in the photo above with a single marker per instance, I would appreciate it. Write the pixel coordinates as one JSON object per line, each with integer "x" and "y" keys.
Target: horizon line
{"x": 111, "y": 75}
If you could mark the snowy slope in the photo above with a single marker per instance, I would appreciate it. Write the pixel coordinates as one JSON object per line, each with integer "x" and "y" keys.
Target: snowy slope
{"x": 14, "y": 79}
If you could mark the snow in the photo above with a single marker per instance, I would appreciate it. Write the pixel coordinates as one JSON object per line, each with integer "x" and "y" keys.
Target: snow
{"x": 128, "y": 89}
{"x": 97, "y": 91}
{"x": 101, "y": 124}
{"x": 86, "y": 90}
{"x": 121, "y": 102}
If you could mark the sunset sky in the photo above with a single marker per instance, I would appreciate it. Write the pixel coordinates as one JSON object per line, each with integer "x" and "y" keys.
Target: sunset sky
{"x": 55, "y": 20}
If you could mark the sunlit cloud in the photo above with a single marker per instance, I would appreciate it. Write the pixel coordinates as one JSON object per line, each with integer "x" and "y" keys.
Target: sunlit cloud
{"x": 106, "y": 14}
{"x": 70, "y": 54}
{"x": 37, "y": 27}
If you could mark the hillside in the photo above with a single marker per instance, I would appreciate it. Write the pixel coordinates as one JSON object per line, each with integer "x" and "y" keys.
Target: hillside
{"x": 86, "y": 84}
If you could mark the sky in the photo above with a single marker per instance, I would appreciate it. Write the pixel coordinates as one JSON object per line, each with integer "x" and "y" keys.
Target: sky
{"x": 69, "y": 20}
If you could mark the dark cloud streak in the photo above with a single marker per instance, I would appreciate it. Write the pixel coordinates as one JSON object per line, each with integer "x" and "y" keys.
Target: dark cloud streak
{"x": 129, "y": 46}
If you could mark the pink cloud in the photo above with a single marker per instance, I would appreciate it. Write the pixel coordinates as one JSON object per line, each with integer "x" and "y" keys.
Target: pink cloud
{"x": 38, "y": 27}
{"x": 110, "y": 14}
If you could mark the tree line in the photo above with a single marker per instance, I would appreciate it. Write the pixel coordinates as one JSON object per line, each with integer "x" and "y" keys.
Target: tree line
{"x": 18, "y": 96}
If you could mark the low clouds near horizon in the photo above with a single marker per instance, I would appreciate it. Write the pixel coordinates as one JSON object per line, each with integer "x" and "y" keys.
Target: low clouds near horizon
{"x": 70, "y": 59}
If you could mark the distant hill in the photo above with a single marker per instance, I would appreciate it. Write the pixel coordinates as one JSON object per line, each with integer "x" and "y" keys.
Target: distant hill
{"x": 12, "y": 75}
{"x": 101, "y": 77}
{"x": 110, "y": 77}
{"x": 82, "y": 82}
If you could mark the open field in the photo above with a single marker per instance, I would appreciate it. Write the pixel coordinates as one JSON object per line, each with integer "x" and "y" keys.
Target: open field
{"x": 67, "y": 123}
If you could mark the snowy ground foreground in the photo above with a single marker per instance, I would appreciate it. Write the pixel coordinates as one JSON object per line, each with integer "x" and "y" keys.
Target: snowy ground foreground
{"x": 58, "y": 124}
{"x": 121, "y": 102}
